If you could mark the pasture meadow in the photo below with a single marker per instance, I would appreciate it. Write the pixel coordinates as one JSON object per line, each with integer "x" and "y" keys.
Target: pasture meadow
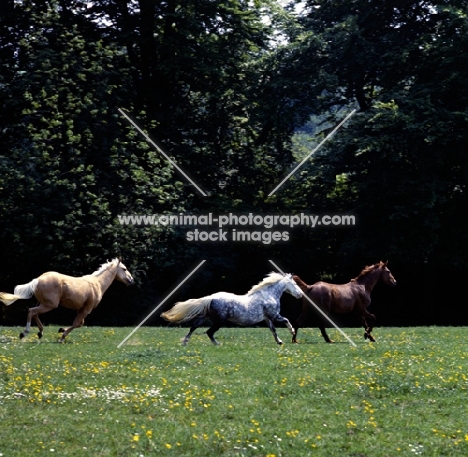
{"x": 404, "y": 395}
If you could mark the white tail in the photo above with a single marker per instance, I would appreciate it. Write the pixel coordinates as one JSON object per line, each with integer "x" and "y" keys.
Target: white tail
{"x": 21, "y": 292}
{"x": 183, "y": 311}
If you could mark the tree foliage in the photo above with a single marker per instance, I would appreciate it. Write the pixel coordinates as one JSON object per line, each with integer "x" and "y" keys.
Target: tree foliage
{"x": 234, "y": 92}
{"x": 71, "y": 165}
{"x": 400, "y": 164}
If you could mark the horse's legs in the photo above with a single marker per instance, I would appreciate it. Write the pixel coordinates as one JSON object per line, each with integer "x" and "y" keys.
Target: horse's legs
{"x": 33, "y": 313}
{"x": 298, "y": 324}
{"x": 212, "y": 330}
{"x": 281, "y": 320}
{"x": 39, "y": 326}
{"x": 194, "y": 326}
{"x": 77, "y": 322}
{"x": 364, "y": 324}
{"x": 324, "y": 333}
{"x": 273, "y": 330}
{"x": 284, "y": 320}
{"x": 368, "y": 327}
{"x": 27, "y": 329}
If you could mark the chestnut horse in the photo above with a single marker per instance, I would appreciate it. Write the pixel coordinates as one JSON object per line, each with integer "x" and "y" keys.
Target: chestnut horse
{"x": 82, "y": 294}
{"x": 352, "y": 297}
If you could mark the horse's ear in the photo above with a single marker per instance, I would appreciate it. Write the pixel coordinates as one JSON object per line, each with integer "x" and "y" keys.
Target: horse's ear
{"x": 386, "y": 263}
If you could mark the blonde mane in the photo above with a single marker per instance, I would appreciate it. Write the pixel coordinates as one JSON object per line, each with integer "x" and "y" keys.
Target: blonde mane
{"x": 270, "y": 279}
{"x": 104, "y": 267}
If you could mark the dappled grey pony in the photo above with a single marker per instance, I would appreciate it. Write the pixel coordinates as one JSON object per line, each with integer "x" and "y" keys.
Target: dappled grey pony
{"x": 261, "y": 303}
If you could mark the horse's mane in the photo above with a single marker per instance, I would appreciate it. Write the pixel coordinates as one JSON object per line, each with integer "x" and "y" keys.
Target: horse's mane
{"x": 367, "y": 269}
{"x": 270, "y": 279}
{"x": 104, "y": 267}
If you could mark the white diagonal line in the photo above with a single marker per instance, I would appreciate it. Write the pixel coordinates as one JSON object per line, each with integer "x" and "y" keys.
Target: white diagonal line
{"x": 160, "y": 304}
{"x": 318, "y": 309}
{"x": 316, "y": 149}
{"x": 162, "y": 152}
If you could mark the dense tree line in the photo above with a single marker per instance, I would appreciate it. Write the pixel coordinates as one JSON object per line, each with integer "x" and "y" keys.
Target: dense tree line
{"x": 236, "y": 93}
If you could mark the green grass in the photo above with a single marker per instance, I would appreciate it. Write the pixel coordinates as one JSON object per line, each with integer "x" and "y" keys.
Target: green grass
{"x": 405, "y": 395}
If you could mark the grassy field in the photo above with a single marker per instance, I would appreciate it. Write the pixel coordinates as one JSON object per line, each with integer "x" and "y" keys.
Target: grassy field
{"x": 405, "y": 395}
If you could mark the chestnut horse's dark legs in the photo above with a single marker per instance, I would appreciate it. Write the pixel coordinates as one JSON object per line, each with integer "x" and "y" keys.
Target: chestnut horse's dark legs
{"x": 368, "y": 327}
{"x": 300, "y": 323}
{"x": 325, "y": 335}
{"x": 302, "y": 319}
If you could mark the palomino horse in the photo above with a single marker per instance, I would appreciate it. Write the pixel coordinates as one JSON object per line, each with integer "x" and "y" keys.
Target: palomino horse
{"x": 262, "y": 302}
{"x": 352, "y": 297}
{"x": 53, "y": 289}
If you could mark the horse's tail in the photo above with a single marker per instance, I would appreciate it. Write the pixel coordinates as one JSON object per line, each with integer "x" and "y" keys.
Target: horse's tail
{"x": 184, "y": 311}
{"x": 22, "y": 291}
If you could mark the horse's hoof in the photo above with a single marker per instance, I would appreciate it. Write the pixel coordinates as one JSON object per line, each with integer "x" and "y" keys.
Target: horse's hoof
{"x": 280, "y": 342}
{"x": 39, "y": 335}
{"x": 61, "y": 330}
{"x": 366, "y": 336}
{"x": 22, "y": 335}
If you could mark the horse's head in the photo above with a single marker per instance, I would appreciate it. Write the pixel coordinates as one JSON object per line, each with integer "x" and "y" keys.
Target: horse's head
{"x": 123, "y": 274}
{"x": 291, "y": 287}
{"x": 386, "y": 275}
